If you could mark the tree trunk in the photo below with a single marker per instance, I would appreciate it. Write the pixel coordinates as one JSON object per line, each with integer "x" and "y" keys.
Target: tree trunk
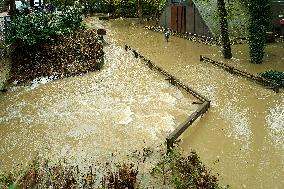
{"x": 32, "y": 3}
{"x": 12, "y": 10}
{"x": 227, "y": 52}
{"x": 139, "y": 12}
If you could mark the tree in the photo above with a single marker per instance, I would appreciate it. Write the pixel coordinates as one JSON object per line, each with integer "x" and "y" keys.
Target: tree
{"x": 12, "y": 10}
{"x": 227, "y": 52}
{"x": 139, "y": 9}
{"x": 260, "y": 14}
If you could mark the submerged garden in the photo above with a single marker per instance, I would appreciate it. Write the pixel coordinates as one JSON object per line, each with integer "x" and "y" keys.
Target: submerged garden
{"x": 78, "y": 111}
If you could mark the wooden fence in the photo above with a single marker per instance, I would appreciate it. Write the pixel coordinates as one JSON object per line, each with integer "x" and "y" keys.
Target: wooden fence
{"x": 238, "y": 72}
{"x": 205, "y": 103}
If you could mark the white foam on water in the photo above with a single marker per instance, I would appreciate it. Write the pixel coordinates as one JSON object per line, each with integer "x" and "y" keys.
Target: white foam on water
{"x": 239, "y": 122}
{"x": 103, "y": 116}
{"x": 40, "y": 81}
{"x": 125, "y": 116}
{"x": 82, "y": 130}
{"x": 122, "y": 108}
{"x": 275, "y": 124}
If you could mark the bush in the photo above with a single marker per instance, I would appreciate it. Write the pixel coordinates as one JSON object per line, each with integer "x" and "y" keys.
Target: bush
{"x": 125, "y": 8}
{"x": 276, "y": 77}
{"x": 46, "y": 175}
{"x": 39, "y": 27}
{"x": 184, "y": 172}
{"x": 260, "y": 14}
{"x": 70, "y": 19}
{"x": 73, "y": 54}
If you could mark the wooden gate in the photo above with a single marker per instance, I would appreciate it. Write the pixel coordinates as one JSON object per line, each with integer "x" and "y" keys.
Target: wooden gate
{"x": 178, "y": 18}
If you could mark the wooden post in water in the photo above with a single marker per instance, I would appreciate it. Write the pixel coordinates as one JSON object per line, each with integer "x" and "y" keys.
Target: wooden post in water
{"x": 188, "y": 122}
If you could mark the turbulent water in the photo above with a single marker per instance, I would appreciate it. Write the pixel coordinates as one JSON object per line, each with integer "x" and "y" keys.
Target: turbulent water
{"x": 99, "y": 117}
{"x": 109, "y": 114}
{"x": 241, "y": 137}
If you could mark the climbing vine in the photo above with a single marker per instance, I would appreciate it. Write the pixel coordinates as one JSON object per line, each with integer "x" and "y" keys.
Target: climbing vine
{"x": 260, "y": 14}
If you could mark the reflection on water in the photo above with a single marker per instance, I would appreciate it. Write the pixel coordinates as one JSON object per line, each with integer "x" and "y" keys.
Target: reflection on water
{"x": 241, "y": 137}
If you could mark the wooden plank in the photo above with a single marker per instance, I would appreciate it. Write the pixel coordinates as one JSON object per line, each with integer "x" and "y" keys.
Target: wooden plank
{"x": 173, "y": 80}
{"x": 236, "y": 71}
{"x": 188, "y": 122}
{"x": 183, "y": 126}
{"x": 174, "y": 18}
{"x": 179, "y": 19}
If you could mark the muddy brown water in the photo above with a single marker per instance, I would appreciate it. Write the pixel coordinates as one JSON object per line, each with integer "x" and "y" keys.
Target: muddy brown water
{"x": 100, "y": 117}
{"x": 126, "y": 106}
{"x": 242, "y": 136}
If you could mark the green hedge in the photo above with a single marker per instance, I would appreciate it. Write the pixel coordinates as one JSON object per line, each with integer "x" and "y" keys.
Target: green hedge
{"x": 39, "y": 27}
{"x": 260, "y": 14}
{"x": 124, "y": 8}
{"x": 274, "y": 76}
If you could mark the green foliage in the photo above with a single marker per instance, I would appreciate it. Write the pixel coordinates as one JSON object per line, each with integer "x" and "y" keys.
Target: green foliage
{"x": 70, "y": 19}
{"x": 125, "y": 8}
{"x": 12, "y": 187}
{"x": 274, "y": 76}
{"x": 184, "y": 172}
{"x": 39, "y": 27}
{"x": 6, "y": 180}
{"x": 98, "y": 6}
{"x": 260, "y": 15}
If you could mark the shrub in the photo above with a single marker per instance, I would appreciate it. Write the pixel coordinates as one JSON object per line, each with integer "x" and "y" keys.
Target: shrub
{"x": 60, "y": 175}
{"x": 73, "y": 54}
{"x": 184, "y": 172}
{"x": 125, "y": 8}
{"x": 39, "y": 27}
{"x": 260, "y": 14}
{"x": 274, "y": 76}
{"x": 70, "y": 19}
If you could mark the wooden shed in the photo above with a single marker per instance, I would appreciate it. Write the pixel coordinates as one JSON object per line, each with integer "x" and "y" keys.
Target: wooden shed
{"x": 183, "y": 16}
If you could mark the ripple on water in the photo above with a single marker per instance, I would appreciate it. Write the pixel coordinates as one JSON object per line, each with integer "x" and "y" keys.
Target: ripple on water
{"x": 275, "y": 124}
{"x": 122, "y": 108}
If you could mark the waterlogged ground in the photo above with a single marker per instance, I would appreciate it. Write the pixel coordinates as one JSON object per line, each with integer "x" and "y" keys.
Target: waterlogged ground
{"x": 99, "y": 117}
{"x": 242, "y": 136}
{"x": 108, "y": 114}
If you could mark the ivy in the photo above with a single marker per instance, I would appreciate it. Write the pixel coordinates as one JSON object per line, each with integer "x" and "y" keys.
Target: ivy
{"x": 260, "y": 14}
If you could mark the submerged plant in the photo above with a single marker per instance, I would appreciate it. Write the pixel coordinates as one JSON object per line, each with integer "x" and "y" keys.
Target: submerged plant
{"x": 184, "y": 172}
{"x": 275, "y": 76}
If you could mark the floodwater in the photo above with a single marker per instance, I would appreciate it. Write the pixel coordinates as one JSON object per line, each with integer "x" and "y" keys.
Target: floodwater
{"x": 242, "y": 135}
{"x": 125, "y": 107}
{"x": 99, "y": 117}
